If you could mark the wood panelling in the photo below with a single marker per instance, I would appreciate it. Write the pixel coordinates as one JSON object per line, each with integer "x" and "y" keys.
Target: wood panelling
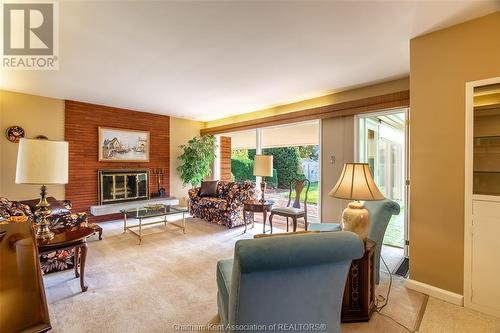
{"x": 81, "y": 131}
{"x": 369, "y": 104}
{"x": 225, "y": 158}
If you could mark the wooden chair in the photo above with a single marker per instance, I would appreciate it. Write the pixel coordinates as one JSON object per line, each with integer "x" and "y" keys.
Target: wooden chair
{"x": 295, "y": 211}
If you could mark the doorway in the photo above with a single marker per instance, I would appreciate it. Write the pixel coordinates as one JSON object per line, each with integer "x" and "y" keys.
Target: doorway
{"x": 382, "y": 142}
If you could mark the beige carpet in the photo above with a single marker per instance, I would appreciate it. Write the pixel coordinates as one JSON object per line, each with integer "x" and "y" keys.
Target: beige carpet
{"x": 448, "y": 318}
{"x": 168, "y": 280}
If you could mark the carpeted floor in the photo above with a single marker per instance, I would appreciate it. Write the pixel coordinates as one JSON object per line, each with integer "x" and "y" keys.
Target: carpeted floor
{"x": 448, "y": 318}
{"x": 170, "y": 279}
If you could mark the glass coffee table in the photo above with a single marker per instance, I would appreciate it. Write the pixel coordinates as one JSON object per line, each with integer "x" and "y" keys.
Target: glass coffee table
{"x": 150, "y": 212}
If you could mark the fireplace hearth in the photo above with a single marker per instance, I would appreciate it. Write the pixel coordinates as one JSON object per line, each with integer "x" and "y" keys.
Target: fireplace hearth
{"x": 122, "y": 185}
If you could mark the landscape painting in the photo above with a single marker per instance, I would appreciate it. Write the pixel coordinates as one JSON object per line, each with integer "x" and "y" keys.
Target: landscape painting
{"x": 123, "y": 145}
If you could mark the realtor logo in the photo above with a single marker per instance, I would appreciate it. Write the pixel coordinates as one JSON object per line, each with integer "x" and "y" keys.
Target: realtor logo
{"x": 30, "y": 35}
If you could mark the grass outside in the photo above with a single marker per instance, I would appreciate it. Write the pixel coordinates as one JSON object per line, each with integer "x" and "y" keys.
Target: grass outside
{"x": 394, "y": 235}
{"x": 312, "y": 196}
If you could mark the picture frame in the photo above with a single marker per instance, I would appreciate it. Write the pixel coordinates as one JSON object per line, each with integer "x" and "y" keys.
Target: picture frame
{"x": 123, "y": 145}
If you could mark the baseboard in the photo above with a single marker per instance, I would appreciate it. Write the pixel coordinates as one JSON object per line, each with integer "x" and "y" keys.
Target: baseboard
{"x": 436, "y": 292}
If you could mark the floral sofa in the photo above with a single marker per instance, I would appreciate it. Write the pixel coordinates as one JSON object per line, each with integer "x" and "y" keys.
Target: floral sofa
{"x": 61, "y": 218}
{"x": 227, "y": 207}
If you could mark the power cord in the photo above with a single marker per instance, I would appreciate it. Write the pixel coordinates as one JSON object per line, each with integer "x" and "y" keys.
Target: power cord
{"x": 381, "y": 301}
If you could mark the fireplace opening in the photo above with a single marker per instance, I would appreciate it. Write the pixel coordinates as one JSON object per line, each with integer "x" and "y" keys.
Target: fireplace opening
{"x": 122, "y": 185}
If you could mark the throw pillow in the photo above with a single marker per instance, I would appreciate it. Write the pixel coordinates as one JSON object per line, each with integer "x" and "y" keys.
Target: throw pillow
{"x": 208, "y": 188}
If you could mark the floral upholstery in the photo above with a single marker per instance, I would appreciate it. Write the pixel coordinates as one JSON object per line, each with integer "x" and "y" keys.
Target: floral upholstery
{"x": 13, "y": 208}
{"x": 225, "y": 209}
{"x": 57, "y": 260}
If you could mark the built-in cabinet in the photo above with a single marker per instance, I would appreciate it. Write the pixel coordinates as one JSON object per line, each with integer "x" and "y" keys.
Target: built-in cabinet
{"x": 482, "y": 224}
{"x": 485, "y": 261}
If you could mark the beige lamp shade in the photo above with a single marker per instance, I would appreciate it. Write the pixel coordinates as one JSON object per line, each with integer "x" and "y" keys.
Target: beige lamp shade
{"x": 356, "y": 183}
{"x": 263, "y": 166}
{"x": 42, "y": 162}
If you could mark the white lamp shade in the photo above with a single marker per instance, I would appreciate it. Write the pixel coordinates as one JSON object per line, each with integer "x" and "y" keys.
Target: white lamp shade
{"x": 263, "y": 166}
{"x": 42, "y": 162}
{"x": 356, "y": 183}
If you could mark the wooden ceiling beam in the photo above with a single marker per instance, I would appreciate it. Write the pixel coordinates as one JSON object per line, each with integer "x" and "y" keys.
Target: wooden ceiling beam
{"x": 390, "y": 101}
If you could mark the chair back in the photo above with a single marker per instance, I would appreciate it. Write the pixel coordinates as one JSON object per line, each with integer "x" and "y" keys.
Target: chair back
{"x": 291, "y": 279}
{"x": 297, "y": 186}
{"x": 380, "y": 215}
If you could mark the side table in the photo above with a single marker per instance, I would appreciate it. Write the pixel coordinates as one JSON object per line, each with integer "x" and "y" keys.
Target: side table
{"x": 66, "y": 240}
{"x": 256, "y": 206}
{"x": 359, "y": 293}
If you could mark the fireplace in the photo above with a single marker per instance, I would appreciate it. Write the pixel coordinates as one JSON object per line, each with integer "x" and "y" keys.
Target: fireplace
{"x": 122, "y": 185}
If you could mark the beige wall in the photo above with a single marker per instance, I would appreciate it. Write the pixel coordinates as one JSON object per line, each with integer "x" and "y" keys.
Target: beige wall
{"x": 337, "y": 141}
{"x": 181, "y": 130}
{"x": 440, "y": 65}
{"x": 38, "y": 116}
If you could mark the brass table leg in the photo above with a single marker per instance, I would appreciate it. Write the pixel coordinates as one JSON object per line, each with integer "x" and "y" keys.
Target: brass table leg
{"x": 140, "y": 231}
{"x": 83, "y": 249}
{"x": 165, "y": 220}
{"x": 124, "y": 223}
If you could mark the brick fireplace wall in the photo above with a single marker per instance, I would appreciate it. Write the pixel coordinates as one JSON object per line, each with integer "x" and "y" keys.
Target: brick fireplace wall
{"x": 82, "y": 121}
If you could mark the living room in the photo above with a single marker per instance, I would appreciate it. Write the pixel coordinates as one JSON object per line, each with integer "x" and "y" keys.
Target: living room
{"x": 250, "y": 166}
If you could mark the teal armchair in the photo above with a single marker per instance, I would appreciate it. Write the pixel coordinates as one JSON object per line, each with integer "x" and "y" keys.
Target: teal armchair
{"x": 380, "y": 215}
{"x": 286, "y": 279}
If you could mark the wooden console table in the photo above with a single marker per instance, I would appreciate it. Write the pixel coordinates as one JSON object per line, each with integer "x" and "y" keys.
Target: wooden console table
{"x": 359, "y": 293}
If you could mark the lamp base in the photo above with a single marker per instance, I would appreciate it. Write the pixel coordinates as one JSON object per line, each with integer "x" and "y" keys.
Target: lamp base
{"x": 356, "y": 218}
{"x": 42, "y": 213}
{"x": 262, "y": 190}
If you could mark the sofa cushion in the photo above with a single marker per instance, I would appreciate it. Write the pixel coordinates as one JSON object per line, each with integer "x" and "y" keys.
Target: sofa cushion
{"x": 224, "y": 273}
{"x": 324, "y": 227}
{"x": 219, "y": 203}
{"x": 57, "y": 208}
{"x": 13, "y": 208}
{"x": 287, "y": 210}
{"x": 208, "y": 188}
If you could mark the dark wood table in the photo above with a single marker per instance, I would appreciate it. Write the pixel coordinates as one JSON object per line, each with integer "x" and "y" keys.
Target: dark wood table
{"x": 257, "y": 206}
{"x": 66, "y": 240}
{"x": 359, "y": 294}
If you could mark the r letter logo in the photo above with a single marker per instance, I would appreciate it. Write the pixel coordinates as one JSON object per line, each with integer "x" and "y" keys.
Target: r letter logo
{"x": 30, "y": 35}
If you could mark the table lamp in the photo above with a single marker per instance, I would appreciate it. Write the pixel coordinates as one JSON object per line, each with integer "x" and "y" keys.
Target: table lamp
{"x": 356, "y": 183}
{"x": 42, "y": 162}
{"x": 263, "y": 167}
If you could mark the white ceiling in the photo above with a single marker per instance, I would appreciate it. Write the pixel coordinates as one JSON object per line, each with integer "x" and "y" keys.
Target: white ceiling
{"x": 208, "y": 60}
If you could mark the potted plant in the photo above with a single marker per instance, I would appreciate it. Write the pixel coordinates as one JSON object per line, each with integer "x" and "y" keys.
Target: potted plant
{"x": 197, "y": 159}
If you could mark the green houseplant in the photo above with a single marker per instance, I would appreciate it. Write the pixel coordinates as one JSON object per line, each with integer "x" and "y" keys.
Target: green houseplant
{"x": 196, "y": 159}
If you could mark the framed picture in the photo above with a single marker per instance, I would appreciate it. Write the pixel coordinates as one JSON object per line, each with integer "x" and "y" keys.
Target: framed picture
{"x": 123, "y": 145}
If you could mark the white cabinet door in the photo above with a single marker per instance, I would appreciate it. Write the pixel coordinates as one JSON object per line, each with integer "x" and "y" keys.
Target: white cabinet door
{"x": 486, "y": 256}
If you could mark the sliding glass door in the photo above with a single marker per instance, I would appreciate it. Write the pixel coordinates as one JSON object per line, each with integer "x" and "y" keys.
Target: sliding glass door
{"x": 382, "y": 143}
{"x": 296, "y": 152}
